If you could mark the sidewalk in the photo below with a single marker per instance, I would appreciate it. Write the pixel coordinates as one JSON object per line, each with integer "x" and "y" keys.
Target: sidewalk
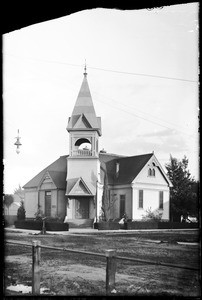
{"x": 84, "y": 231}
{"x": 70, "y": 231}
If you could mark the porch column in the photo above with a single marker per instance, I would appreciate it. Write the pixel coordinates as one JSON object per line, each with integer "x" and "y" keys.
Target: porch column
{"x": 70, "y": 208}
{"x": 134, "y": 202}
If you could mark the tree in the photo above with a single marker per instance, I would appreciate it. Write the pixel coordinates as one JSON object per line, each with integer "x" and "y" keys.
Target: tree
{"x": 8, "y": 200}
{"x": 183, "y": 199}
{"x": 107, "y": 201}
{"x": 21, "y": 211}
{"x": 19, "y": 191}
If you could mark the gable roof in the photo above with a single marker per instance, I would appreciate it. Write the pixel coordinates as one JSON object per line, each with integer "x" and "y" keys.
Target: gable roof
{"x": 75, "y": 185}
{"x": 105, "y": 157}
{"x": 57, "y": 171}
{"x": 59, "y": 178}
{"x": 161, "y": 170}
{"x": 129, "y": 168}
{"x": 78, "y": 188}
{"x": 82, "y": 122}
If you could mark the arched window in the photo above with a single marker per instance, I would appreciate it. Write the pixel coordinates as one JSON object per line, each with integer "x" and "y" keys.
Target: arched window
{"x": 83, "y": 144}
{"x": 150, "y": 172}
{"x": 153, "y": 172}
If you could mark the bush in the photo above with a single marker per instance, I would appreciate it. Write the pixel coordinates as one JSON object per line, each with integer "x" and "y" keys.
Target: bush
{"x": 152, "y": 216}
{"x": 39, "y": 214}
{"x": 21, "y": 214}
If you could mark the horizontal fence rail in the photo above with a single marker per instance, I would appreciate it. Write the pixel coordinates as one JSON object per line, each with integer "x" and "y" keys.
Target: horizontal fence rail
{"x": 111, "y": 260}
{"x": 144, "y": 261}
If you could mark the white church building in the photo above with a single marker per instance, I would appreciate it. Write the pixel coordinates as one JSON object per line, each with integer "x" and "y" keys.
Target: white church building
{"x": 73, "y": 185}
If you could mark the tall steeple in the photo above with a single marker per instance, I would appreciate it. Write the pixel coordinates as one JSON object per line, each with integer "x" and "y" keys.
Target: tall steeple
{"x": 83, "y": 116}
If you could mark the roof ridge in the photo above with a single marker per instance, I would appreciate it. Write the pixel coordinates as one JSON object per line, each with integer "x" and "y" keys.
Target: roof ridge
{"x": 140, "y": 155}
{"x": 107, "y": 153}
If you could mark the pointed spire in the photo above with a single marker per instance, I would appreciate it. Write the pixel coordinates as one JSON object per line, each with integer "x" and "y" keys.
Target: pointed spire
{"x": 84, "y": 112}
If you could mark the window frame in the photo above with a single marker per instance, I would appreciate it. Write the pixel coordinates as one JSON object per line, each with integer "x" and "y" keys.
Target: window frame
{"x": 48, "y": 199}
{"x": 151, "y": 172}
{"x": 123, "y": 201}
{"x": 161, "y": 202}
{"x": 141, "y": 199}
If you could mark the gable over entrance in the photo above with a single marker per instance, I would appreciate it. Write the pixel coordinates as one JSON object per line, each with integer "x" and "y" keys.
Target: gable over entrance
{"x": 80, "y": 199}
{"x": 79, "y": 188}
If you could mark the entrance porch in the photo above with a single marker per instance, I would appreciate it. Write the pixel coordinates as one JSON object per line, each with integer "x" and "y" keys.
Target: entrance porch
{"x": 80, "y": 211}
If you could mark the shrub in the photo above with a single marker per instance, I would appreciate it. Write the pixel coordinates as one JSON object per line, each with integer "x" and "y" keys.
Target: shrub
{"x": 39, "y": 214}
{"x": 152, "y": 216}
{"x": 21, "y": 213}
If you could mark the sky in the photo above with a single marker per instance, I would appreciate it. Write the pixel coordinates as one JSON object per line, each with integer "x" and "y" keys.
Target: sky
{"x": 142, "y": 70}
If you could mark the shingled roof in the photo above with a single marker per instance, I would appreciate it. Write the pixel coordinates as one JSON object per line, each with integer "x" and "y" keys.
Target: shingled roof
{"x": 129, "y": 168}
{"x": 83, "y": 116}
{"x": 57, "y": 171}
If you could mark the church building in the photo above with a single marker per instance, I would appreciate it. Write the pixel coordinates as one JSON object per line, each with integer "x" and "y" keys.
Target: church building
{"x": 74, "y": 186}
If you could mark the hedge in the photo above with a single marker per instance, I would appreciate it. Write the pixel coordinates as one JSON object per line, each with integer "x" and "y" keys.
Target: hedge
{"x": 37, "y": 225}
{"x": 159, "y": 225}
{"x": 143, "y": 225}
{"x": 107, "y": 226}
{"x": 59, "y": 226}
{"x": 176, "y": 225}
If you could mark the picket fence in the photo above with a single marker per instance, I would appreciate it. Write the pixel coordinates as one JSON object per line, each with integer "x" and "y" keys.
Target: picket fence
{"x": 111, "y": 263}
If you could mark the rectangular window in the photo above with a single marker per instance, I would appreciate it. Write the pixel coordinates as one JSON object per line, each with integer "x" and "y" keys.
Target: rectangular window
{"x": 122, "y": 205}
{"x": 140, "y": 198}
{"x": 48, "y": 203}
{"x": 161, "y": 200}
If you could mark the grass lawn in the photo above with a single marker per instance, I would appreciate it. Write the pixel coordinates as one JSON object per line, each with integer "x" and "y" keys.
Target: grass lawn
{"x": 65, "y": 273}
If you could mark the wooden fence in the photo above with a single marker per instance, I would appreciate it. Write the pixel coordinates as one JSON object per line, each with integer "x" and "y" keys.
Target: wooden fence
{"x": 111, "y": 262}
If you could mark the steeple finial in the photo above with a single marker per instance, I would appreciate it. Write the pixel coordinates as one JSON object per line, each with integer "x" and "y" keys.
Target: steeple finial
{"x": 85, "y": 73}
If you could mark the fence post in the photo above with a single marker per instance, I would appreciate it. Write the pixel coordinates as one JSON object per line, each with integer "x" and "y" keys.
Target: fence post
{"x": 36, "y": 256}
{"x": 110, "y": 270}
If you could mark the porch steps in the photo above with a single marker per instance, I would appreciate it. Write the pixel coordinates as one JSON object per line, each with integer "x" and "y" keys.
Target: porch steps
{"x": 80, "y": 223}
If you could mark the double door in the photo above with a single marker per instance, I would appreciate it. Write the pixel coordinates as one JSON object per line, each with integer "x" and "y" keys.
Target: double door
{"x": 82, "y": 208}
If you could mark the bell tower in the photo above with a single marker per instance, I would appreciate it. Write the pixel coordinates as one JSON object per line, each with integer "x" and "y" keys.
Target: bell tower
{"x": 83, "y": 126}
{"x": 84, "y": 129}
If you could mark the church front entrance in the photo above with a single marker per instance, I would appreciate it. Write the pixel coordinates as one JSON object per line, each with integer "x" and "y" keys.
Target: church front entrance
{"x": 82, "y": 208}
